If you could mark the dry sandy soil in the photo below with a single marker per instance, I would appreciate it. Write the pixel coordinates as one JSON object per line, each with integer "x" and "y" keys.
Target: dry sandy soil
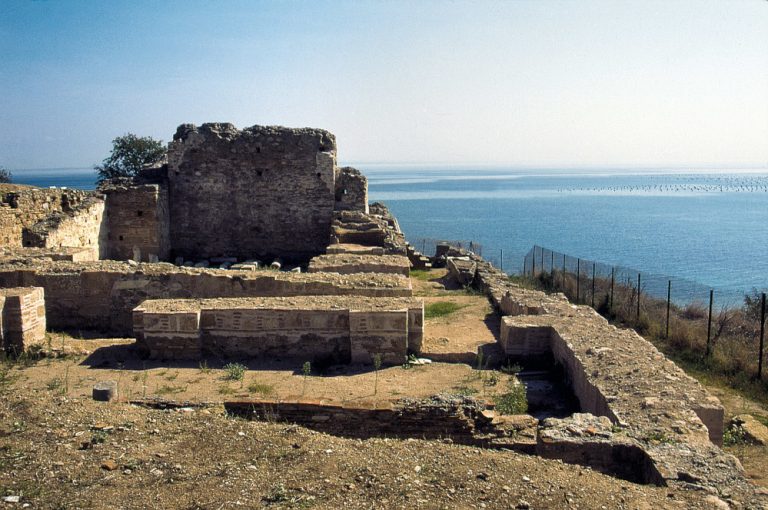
{"x": 60, "y": 449}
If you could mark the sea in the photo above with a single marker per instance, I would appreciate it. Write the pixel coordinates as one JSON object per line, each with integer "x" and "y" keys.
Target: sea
{"x": 708, "y": 226}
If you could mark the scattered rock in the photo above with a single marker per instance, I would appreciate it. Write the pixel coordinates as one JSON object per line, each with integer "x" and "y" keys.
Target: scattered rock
{"x": 754, "y": 431}
{"x": 109, "y": 465}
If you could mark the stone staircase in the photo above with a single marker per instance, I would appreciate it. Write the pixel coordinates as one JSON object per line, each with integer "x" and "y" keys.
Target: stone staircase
{"x": 418, "y": 261}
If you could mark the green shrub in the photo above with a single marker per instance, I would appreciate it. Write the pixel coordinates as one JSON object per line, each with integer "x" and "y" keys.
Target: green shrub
{"x": 235, "y": 371}
{"x": 513, "y": 401}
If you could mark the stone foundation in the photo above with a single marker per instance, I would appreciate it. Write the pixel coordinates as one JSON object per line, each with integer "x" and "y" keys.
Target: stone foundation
{"x": 350, "y": 263}
{"x": 460, "y": 419}
{"x": 661, "y": 419}
{"x": 22, "y": 318}
{"x": 101, "y": 295}
{"x": 338, "y": 329}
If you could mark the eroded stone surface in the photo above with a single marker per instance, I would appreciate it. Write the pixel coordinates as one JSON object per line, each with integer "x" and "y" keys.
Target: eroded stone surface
{"x": 338, "y": 329}
{"x": 101, "y": 295}
{"x": 353, "y": 263}
{"x": 617, "y": 374}
{"x": 22, "y": 318}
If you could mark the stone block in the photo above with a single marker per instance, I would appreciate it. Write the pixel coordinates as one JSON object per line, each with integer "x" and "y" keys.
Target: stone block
{"x": 23, "y": 322}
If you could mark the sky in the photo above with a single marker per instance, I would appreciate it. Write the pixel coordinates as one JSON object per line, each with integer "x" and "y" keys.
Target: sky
{"x": 522, "y": 83}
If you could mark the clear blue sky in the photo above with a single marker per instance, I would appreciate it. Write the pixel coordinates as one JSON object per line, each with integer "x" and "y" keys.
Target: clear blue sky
{"x": 520, "y": 83}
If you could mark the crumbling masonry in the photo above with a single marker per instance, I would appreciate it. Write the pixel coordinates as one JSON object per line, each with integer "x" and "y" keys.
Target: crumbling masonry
{"x": 231, "y": 203}
{"x": 253, "y": 243}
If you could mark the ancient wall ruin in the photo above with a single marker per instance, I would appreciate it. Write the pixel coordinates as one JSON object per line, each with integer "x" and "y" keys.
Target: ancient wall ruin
{"x": 21, "y": 207}
{"x": 138, "y": 222}
{"x": 22, "y": 318}
{"x": 261, "y": 192}
{"x": 329, "y": 329}
{"x": 658, "y": 415}
{"x": 101, "y": 295}
{"x": 351, "y": 190}
{"x": 82, "y": 226}
{"x": 349, "y": 263}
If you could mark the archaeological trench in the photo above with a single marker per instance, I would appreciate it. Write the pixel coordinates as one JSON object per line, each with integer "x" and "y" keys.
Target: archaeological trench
{"x": 253, "y": 243}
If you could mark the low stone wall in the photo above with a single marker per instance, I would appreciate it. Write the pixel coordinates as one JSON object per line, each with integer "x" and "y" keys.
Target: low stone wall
{"x": 330, "y": 329}
{"x": 617, "y": 374}
{"x": 101, "y": 295}
{"x": 23, "y": 255}
{"x": 589, "y": 440}
{"x": 350, "y": 263}
{"x": 604, "y": 362}
{"x": 22, "y": 318}
{"x": 438, "y": 417}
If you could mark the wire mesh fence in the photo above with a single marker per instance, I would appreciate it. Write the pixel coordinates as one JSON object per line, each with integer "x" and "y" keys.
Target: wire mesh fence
{"x": 428, "y": 246}
{"x": 720, "y": 327}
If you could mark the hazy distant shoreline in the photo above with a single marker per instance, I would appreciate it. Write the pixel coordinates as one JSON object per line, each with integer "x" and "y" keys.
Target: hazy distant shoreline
{"x": 675, "y": 222}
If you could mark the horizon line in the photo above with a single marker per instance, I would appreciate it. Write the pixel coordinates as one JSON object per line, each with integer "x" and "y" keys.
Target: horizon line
{"x": 516, "y": 166}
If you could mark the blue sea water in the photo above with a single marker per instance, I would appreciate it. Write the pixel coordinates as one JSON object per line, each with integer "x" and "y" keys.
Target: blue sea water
{"x": 707, "y": 226}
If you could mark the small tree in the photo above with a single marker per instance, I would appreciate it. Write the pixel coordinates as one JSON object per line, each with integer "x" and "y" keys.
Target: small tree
{"x": 129, "y": 155}
{"x": 5, "y": 175}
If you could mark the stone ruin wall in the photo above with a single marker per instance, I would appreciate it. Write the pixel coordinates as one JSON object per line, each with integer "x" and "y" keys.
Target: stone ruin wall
{"x": 262, "y": 191}
{"x": 351, "y": 190}
{"x": 102, "y": 295}
{"x": 329, "y": 329}
{"x": 138, "y": 223}
{"x": 21, "y": 207}
{"x": 617, "y": 374}
{"x": 82, "y": 227}
{"x": 22, "y": 318}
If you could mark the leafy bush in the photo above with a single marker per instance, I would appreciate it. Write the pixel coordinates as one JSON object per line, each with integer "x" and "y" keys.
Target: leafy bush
{"x": 513, "y": 401}
{"x": 235, "y": 371}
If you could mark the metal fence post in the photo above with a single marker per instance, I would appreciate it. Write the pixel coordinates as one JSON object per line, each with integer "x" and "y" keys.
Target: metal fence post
{"x": 424, "y": 246}
{"x": 542, "y": 260}
{"x": 563, "y": 278}
{"x": 762, "y": 336}
{"x": 501, "y": 259}
{"x": 533, "y": 262}
{"x": 593, "y": 284}
{"x": 637, "y": 318}
{"x": 578, "y": 279}
{"x": 525, "y": 264}
{"x": 610, "y": 306}
{"x": 552, "y": 266}
{"x": 669, "y": 301}
{"x": 709, "y": 322}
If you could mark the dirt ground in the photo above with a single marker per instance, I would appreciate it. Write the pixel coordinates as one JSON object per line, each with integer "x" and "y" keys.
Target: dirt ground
{"x": 73, "y": 452}
{"x": 61, "y": 449}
